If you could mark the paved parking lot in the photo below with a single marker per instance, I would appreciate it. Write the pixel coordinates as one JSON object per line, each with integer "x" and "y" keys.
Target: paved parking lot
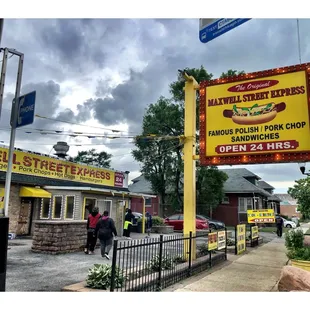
{"x": 28, "y": 271}
{"x": 32, "y": 272}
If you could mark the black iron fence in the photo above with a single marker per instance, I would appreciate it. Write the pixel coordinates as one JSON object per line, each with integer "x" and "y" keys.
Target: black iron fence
{"x": 152, "y": 264}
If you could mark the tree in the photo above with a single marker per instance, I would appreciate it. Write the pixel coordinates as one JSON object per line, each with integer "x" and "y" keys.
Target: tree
{"x": 209, "y": 189}
{"x": 91, "y": 157}
{"x": 301, "y": 192}
{"x": 161, "y": 159}
{"x": 157, "y": 155}
{"x": 231, "y": 73}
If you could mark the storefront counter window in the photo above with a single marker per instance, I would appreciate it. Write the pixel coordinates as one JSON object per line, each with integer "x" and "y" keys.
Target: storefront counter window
{"x": 89, "y": 204}
{"x": 69, "y": 214}
{"x": 45, "y": 208}
{"x": 57, "y": 207}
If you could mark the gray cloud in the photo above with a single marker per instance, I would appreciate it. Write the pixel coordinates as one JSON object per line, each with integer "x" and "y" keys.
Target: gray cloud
{"x": 146, "y": 54}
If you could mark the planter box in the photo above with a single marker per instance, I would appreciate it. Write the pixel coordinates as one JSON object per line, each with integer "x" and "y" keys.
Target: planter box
{"x": 302, "y": 264}
{"x": 162, "y": 229}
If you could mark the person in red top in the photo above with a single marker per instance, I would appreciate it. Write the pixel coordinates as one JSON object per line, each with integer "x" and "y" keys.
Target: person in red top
{"x": 92, "y": 221}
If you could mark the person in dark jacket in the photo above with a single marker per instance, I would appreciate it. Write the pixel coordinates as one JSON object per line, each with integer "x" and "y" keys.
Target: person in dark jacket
{"x": 92, "y": 221}
{"x": 149, "y": 223}
{"x": 105, "y": 230}
{"x": 279, "y": 223}
{"x": 129, "y": 217}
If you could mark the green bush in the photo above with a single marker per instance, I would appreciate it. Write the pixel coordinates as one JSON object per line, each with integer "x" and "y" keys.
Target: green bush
{"x": 203, "y": 249}
{"x": 294, "y": 239}
{"x": 299, "y": 254}
{"x": 156, "y": 221}
{"x": 99, "y": 277}
{"x": 230, "y": 242}
{"x": 179, "y": 259}
{"x": 166, "y": 263}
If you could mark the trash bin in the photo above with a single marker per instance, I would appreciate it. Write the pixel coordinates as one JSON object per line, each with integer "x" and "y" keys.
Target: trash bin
{"x": 4, "y": 230}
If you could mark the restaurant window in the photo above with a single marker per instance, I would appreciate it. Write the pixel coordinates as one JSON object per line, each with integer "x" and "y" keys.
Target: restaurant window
{"x": 45, "y": 208}
{"x": 57, "y": 207}
{"x": 69, "y": 207}
{"x": 104, "y": 205}
{"x": 89, "y": 204}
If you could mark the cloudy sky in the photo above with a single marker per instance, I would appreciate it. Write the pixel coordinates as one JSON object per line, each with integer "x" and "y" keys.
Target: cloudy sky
{"x": 103, "y": 73}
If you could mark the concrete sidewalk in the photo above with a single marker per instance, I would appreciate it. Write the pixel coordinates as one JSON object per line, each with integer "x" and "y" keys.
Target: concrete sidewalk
{"x": 255, "y": 271}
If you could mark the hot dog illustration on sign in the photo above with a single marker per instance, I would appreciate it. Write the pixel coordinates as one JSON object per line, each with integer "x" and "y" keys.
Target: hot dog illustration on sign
{"x": 257, "y": 114}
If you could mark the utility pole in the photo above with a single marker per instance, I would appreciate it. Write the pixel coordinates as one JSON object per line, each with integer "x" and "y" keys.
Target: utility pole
{"x": 189, "y": 204}
{"x": 4, "y": 221}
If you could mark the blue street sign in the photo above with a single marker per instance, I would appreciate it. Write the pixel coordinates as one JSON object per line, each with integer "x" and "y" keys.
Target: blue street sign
{"x": 25, "y": 110}
{"x": 220, "y": 27}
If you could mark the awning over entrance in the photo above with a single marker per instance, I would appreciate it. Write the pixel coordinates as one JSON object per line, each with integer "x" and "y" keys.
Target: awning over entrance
{"x": 34, "y": 192}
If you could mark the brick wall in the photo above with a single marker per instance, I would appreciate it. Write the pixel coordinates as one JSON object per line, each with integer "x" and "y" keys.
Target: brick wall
{"x": 14, "y": 208}
{"x": 289, "y": 211}
{"x": 58, "y": 237}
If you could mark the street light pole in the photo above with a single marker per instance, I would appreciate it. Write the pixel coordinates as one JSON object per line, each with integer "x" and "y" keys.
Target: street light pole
{"x": 4, "y": 221}
{"x": 13, "y": 120}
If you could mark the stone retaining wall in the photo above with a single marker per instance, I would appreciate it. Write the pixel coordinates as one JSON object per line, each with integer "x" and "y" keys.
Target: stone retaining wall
{"x": 58, "y": 237}
{"x": 162, "y": 229}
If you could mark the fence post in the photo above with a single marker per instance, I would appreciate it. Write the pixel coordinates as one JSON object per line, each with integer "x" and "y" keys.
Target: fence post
{"x": 210, "y": 252}
{"x": 190, "y": 254}
{"x": 236, "y": 252}
{"x": 161, "y": 238}
{"x": 225, "y": 243}
{"x": 113, "y": 271}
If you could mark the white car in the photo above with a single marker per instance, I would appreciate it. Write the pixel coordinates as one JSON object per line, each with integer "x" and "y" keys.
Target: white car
{"x": 288, "y": 224}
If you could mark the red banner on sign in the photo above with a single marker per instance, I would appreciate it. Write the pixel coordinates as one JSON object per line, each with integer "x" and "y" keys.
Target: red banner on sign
{"x": 257, "y": 147}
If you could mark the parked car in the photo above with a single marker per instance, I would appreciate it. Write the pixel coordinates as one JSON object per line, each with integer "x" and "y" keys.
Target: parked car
{"x": 177, "y": 220}
{"x": 213, "y": 224}
{"x": 288, "y": 224}
{"x": 137, "y": 216}
{"x": 295, "y": 219}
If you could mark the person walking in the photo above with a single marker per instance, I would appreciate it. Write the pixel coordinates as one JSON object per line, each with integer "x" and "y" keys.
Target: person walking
{"x": 105, "y": 230}
{"x": 149, "y": 223}
{"x": 129, "y": 217}
{"x": 279, "y": 223}
{"x": 92, "y": 221}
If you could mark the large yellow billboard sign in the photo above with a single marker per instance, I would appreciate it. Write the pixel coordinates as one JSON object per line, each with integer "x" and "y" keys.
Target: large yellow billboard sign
{"x": 48, "y": 167}
{"x": 258, "y": 114}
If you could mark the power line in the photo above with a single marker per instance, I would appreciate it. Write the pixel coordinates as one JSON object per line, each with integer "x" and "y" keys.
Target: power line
{"x": 73, "y": 123}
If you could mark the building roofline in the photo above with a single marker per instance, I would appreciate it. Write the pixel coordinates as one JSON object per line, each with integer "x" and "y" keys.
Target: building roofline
{"x": 62, "y": 159}
{"x": 93, "y": 189}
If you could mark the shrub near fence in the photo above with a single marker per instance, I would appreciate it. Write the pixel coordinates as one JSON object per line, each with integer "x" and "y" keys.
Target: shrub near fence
{"x": 155, "y": 263}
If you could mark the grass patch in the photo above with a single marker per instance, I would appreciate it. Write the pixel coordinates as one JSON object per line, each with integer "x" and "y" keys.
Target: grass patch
{"x": 272, "y": 229}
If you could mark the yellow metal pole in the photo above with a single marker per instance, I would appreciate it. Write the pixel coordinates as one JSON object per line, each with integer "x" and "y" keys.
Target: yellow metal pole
{"x": 189, "y": 204}
{"x": 143, "y": 216}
